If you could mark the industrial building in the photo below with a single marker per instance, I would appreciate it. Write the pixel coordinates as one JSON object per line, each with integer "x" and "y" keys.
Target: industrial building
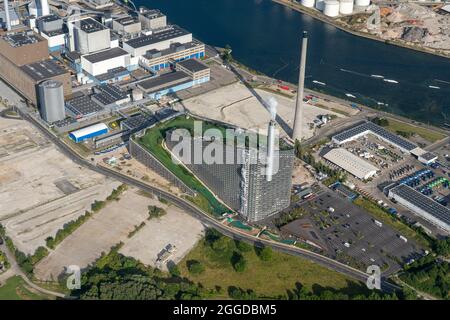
{"x": 87, "y": 35}
{"x": 39, "y": 8}
{"x": 51, "y": 28}
{"x": 351, "y": 163}
{"x": 152, "y": 19}
{"x": 88, "y": 132}
{"x": 13, "y": 18}
{"x": 82, "y": 107}
{"x": 51, "y": 101}
{"x": 157, "y": 87}
{"x": 23, "y": 47}
{"x": 109, "y": 96}
{"x": 240, "y": 179}
{"x": 155, "y": 60}
{"x": 138, "y": 122}
{"x": 370, "y": 127}
{"x": 387, "y": 136}
{"x": 158, "y": 40}
{"x": 198, "y": 71}
{"x": 113, "y": 75}
{"x": 101, "y": 62}
{"x": 422, "y": 205}
{"x": 127, "y": 25}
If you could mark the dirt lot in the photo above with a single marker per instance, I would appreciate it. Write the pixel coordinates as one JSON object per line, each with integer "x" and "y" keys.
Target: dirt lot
{"x": 176, "y": 228}
{"x": 102, "y": 231}
{"x": 135, "y": 169}
{"x": 236, "y": 105}
{"x": 41, "y": 189}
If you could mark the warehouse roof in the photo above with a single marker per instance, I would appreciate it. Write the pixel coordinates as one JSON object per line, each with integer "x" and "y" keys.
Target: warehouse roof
{"x": 193, "y": 65}
{"x": 138, "y": 122}
{"x": 108, "y": 94}
{"x": 166, "y": 34}
{"x": 82, "y": 106}
{"x": 89, "y": 130}
{"x": 21, "y": 38}
{"x": 423, "y": 202}
{"x": 370, "y": 127}
{"x": 43, "y": 69}
{"x": 351, "y": 163}
{"x": 105, "y": 55}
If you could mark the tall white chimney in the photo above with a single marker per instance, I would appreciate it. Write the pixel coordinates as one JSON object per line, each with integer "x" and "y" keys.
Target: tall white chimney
{"x": 299, "y": 106}
{"x": 8, "y": 19}
{"x": 271, "y": 138}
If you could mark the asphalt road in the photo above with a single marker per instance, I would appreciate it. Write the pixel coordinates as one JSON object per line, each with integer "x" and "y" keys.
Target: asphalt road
{"x": 203, "y": 216}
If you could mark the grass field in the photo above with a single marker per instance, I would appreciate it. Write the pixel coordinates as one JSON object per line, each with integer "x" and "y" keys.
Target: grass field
{"x": 267, "y": 278}
{"x": 425, "y": 133}
{"x": 16, "y": 289}
{"x": 386, "y": 218}
{"x": 152, "y": 141}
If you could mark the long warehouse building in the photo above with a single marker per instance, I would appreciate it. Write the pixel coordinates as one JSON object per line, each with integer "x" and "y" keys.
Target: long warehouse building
{"x": 422, "y": 205}
{"x": 351, "y": 163}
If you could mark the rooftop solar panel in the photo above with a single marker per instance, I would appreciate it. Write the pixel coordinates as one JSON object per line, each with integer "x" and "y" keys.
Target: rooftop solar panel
{"x": 377, "y": 130}
{"x": 423, "y": 202}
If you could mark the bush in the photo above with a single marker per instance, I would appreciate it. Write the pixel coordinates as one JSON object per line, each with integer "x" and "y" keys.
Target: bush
{"x": 238, "y": 261}
{"x": 264, "y": 253}
{"x": 241, "y": 294}
{"x": 242, "y": 246}
{"x": 155, "y": 212}
{"x": 195, "y": 267}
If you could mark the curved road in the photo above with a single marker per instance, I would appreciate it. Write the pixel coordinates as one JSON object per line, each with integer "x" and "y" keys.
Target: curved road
{"x": 203, "y": 216}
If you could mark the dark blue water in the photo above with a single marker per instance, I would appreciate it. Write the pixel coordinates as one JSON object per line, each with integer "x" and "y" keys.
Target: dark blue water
{"x": 266, "y": 37}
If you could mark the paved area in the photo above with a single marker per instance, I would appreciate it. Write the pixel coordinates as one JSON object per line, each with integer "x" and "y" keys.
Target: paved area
{"x": 102, "y": 231}
{"x": 176, "y": 228}
{"x": 351, "y": 234}
{"x": 235, "y": 104}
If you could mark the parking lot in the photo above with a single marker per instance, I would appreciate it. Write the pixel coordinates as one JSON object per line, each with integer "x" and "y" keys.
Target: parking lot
{"x": 353, "y": 236}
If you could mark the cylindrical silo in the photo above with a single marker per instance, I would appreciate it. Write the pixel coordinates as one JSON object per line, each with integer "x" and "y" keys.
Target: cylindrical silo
{"x": 362, "y": 3}
{"x": 51, "y": 101}
{"x": 320, "y": 4}
{"x": 307, "y": 3}
{"x": 345, "y": 6}
{"x": 331, "y": 8}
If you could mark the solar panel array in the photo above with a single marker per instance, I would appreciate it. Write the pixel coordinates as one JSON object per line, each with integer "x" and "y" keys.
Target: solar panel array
{"x": 423, "y": 202}
{"x": 167, "y": 34}
{"x": 376, "y": 130}
{"x": 108, "y": 94}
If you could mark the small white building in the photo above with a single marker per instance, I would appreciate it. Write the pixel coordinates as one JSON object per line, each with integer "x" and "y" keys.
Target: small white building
{"x": 352, "y": 164}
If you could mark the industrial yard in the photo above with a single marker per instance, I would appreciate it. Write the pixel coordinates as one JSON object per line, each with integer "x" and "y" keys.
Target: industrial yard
{"x": 37, "y": 201}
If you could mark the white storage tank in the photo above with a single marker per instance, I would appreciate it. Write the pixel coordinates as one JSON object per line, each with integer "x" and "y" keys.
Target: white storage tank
{"x": 331, "y": 8}
{"x": 362, "y": 3}
{"x": 320, "y": 4}
{"x": 346, "y": 6}
{"x": 307, "y": 3}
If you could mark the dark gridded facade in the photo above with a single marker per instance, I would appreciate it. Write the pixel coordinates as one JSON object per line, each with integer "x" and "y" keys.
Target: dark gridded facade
{"x": 242, "y": 185}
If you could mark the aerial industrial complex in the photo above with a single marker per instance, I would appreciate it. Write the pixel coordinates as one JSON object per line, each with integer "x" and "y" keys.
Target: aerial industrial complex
{"x": 127, "y": 96}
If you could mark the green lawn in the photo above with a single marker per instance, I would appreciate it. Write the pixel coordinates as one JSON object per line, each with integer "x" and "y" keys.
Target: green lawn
{"x": 266, "y": 278}
{"x": 425, "y": 133}
{"x": 152, "y": 141}
{"x": 386, "y": 218}
{"x": 16, "y": 289}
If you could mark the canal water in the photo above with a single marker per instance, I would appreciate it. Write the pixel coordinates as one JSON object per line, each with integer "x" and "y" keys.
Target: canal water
{"x": 266, "y": 37}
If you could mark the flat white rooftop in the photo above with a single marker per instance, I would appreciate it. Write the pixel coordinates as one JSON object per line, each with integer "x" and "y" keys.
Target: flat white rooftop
{"x": 351, "y": 163}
